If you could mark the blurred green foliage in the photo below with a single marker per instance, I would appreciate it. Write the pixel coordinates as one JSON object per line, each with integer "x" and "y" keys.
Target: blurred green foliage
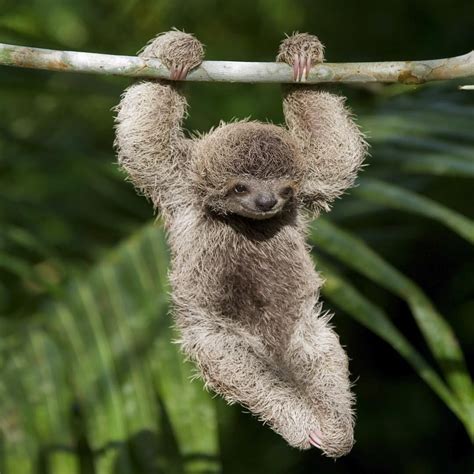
{"x": 90, "y": 381}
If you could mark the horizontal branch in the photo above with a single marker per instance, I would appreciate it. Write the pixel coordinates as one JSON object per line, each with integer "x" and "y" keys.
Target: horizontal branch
{"x": 406, "y": 72}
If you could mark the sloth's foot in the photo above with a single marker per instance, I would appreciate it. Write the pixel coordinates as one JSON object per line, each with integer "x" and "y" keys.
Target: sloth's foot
{"x": 178, "y": 51}
{"x": 301, "y": 51}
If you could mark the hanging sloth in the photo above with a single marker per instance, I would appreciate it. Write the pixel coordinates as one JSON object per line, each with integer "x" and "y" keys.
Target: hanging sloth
{"x": 236, "y": 203}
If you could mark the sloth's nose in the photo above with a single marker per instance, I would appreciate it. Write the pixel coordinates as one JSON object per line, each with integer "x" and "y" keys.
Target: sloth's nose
{"x": 265, "y": 202}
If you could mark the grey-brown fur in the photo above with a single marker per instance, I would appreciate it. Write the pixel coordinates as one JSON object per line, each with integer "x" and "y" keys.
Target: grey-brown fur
{"x": 245, "y": 291}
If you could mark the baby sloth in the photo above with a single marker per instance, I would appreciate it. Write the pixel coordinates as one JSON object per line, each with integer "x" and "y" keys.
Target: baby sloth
{"x": 236, "y": 203}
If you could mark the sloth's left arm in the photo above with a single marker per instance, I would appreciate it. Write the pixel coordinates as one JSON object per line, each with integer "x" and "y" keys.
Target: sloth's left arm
{"x": 151, "y": 145}
{"x": 331, "y": 143}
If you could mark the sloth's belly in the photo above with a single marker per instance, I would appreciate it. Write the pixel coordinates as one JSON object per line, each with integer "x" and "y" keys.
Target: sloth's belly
{"x": 264, "y": 285}
{"x": 259, "y": 286}
{"x": 252, "y": 289}
{"x": 268, "y": 303}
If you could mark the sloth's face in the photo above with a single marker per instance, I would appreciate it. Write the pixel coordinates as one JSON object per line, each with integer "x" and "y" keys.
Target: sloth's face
{"x": 258, "y": 199}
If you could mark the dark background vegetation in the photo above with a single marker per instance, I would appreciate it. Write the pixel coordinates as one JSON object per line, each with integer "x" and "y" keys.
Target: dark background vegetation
{"x": 64, "y": 206}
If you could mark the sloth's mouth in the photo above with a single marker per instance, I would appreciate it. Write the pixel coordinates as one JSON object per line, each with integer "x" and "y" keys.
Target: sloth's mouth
{"x": 258, "y": 215}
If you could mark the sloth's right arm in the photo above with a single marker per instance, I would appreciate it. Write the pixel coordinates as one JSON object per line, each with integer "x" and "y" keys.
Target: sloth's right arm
{"x": 331, "y": 144}
{"x": 150, "y": 142}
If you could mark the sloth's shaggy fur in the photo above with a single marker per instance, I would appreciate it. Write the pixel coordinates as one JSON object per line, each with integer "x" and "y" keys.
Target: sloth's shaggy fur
{"x": 245, "y": 291}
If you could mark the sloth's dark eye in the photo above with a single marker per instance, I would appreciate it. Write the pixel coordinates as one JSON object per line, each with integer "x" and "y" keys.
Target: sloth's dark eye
{"x": 240, "y": 188}
{"x": 286, "y": 192}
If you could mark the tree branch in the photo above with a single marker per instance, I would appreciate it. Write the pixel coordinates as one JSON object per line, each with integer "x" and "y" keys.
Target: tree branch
{"x": 406, "y": 72}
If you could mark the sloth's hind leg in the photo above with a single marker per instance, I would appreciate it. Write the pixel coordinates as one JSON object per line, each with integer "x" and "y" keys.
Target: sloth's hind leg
{"x": 233, "y": 364}
{"x": 319, "y": 366}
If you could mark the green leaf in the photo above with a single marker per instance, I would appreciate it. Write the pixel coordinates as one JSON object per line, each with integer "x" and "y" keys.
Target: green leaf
{"x": 344, "y": 295}
{"x": 437, "y": 332}
{"x": 433, "y": 164}
{"x": 101, "y": 366}
{"x": 385, "y": 194}
{"x": 419, "y": 124}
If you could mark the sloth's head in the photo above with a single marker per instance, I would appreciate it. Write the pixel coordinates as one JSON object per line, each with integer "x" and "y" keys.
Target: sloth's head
{"x": 248, "y": 169}
{"x": 256, "y": 198}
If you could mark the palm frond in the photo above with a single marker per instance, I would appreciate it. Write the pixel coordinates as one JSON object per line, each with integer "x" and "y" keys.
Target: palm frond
{"x": 103, "y": 356}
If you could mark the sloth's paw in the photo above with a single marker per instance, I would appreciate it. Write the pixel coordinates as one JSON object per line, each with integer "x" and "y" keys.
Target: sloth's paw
{"x": 178, "y": 51}
{"x": 301, "y": 51}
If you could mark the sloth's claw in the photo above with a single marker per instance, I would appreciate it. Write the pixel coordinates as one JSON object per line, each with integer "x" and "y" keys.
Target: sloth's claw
{"x": 184, "y": 72}
{"x": 315, "y": 439}
{"x": 314, "y": 443}
{"x": 173, "y": 72}
{"x": 178, "y": 72}
{"x": 301, "y": 66}
{"x": 308, "y": 66}
{"x": 296, "y": 69}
